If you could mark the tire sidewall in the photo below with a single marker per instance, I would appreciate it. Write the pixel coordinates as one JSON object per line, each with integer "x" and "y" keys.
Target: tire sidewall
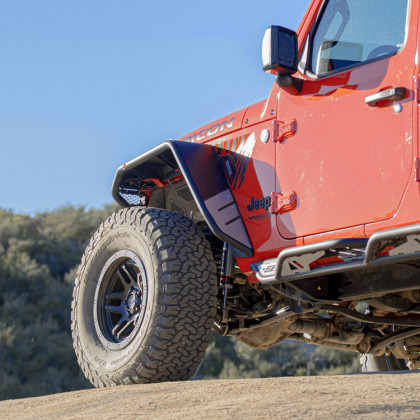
{"x": 99, "y": 357}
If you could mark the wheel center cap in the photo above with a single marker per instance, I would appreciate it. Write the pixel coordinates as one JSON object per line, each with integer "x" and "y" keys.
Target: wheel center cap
{"x": 133, "y": 302}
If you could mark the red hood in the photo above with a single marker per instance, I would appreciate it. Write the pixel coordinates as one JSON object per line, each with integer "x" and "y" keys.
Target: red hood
{"x": 245, "y": 117}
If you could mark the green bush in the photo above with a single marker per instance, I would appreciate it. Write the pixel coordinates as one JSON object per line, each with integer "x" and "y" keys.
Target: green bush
{"x": 38, "y": 259}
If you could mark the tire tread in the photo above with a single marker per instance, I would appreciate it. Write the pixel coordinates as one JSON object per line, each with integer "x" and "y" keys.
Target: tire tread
{"x": 186, "y": 304}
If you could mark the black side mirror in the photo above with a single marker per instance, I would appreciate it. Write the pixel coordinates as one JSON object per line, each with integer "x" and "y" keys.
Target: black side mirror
{"x": 280, "y": 51}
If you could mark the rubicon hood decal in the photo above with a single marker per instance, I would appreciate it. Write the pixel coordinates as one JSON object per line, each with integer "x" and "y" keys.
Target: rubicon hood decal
{"x": 240, "y": 150}
{"x": 210, "y": 131}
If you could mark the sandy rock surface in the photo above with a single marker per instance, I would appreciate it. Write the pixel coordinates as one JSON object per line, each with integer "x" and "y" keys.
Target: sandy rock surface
{"x": 366, "y": 396}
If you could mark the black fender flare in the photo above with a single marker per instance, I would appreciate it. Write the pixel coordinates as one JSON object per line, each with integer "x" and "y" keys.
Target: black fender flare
{"x": 204, "y": 173}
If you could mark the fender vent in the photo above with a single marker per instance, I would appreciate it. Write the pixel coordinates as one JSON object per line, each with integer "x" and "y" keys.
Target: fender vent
{"x": 185, "y": 194}
{"x": 131, "y": 197}
{"x": 177, "y": 209}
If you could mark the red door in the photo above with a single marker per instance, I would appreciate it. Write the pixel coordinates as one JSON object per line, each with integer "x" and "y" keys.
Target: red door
{"x": 350, "y": 162}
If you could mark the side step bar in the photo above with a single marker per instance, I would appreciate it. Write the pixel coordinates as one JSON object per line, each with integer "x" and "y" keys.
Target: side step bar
{"x": 301, "y": 262}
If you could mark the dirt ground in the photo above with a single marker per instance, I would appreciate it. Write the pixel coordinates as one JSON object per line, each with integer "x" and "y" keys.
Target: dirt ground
{"x": 365, "y": 396}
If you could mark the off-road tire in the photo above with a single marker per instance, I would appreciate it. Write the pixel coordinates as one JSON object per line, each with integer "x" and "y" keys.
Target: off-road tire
{"x": 382, "y": 363}
{"x": 177, "y": 313}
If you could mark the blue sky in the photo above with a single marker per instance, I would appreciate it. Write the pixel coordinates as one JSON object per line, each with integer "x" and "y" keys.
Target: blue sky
{"x": 86, "y": 85}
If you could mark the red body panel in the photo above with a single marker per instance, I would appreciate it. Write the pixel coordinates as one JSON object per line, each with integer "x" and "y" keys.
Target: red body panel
{"x": 350, "y": 166}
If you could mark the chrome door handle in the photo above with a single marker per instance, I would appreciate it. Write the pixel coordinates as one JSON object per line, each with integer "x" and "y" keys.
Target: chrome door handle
{"x": 394, "y": 94}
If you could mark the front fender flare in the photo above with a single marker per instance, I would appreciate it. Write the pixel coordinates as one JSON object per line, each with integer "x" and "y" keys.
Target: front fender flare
{"x": 204, "y": 173}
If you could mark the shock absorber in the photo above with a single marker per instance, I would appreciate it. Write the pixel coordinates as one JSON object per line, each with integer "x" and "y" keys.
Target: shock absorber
{"x": 227, "y": 275}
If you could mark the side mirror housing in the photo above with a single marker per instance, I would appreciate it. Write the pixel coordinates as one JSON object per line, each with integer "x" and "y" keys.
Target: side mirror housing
{"x": 280, "y": 51}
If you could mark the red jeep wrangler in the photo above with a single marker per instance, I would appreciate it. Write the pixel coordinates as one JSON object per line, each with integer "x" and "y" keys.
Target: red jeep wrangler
{"x": 297, "y": 217}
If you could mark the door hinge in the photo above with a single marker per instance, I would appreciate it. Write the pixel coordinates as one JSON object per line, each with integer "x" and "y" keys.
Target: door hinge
{"x": 282, "y": 203}
{"x": 416, "y": 169}
{"x": 283, "y": 130}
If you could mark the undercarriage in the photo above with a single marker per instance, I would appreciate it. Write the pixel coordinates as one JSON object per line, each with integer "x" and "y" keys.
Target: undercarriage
{"x": 373, "y": 311}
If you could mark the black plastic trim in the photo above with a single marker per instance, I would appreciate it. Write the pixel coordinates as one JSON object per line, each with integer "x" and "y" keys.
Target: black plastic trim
{"x": 203, "y": 172}
{"x": 276, "y": 59}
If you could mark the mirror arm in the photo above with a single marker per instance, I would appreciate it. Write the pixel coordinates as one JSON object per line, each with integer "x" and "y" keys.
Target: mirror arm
{"x": 290, "y": 84}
